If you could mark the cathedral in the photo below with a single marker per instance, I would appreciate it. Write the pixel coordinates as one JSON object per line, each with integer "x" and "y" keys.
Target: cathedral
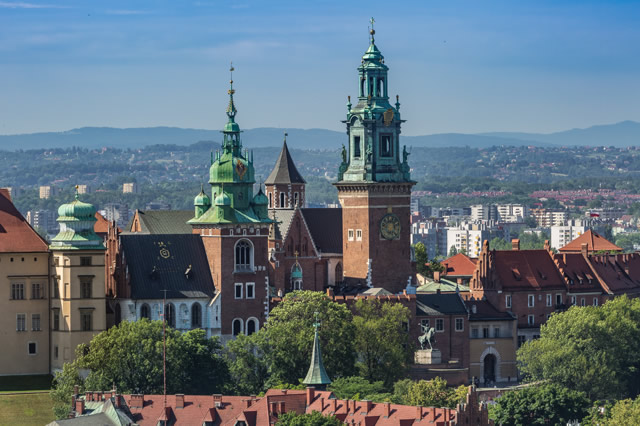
{"x": 218, "y": 266}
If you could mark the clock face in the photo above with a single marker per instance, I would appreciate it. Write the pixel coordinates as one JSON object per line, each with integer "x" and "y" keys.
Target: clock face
{"x": 390, "y": 227}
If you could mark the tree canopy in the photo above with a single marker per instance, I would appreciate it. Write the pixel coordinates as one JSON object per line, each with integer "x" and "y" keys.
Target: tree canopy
{"x": 595, "y": 350}
{"x": 548, "y": 404}
{"x": 291, "y": 418}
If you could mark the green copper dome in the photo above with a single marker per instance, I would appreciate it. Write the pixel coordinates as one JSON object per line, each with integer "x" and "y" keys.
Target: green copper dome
{"x": 202, "y": 199}
{"x": 76, "y": 210}
{"x": 260, "y": 199}
{"x": 296, "y": 273}
{"x": 222, "y": 200}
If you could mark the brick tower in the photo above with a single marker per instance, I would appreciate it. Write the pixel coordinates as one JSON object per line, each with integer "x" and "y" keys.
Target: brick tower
{"x": 285, "y": 185}
{"x": 374, "y": 184}
{"x": 235, "y": 230}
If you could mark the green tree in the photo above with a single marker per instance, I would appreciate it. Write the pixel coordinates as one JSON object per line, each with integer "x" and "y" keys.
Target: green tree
{"x": 595, "y": 350}
{"x": 548, "y": 404}
{"x": 247, "y": 365}
{"x": 62, "y": 389}
{"x": 422, "y": 258}
{"x": 355, "y": 387}
{"x": 435, "y": 393}
{"x": 315, "y": 418}
{"x": 129, "y": 356}
{"x": 499, "y": 244}
{"x": 288, "y": 336}
{"x": 382, "y": 340}
{"x": 624, "y": 412}
{"x": 453, "y": 251}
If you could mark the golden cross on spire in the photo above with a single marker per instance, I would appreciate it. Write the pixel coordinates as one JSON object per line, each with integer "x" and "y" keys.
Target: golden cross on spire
{"x": 372, "y": 31}
{"x": 231, "y": 70}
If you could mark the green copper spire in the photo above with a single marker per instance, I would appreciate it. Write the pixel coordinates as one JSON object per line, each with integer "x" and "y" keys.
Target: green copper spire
{"x": 317, "y": 376}
{"x": 76, "y": 227}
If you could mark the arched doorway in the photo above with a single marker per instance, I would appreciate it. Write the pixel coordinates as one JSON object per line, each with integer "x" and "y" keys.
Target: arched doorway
{"x": 338, "y": 273}
{"x": 489, "y": 372}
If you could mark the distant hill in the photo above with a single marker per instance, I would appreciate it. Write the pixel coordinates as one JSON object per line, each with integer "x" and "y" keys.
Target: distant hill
{"x": 621, "y": 134}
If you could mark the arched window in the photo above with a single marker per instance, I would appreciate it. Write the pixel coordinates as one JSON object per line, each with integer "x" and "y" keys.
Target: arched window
{"x": 339, "y": 273}
{"x": 244, "y": 256}
{"x": 252, "y": 326}
{"x": 295, "y": 199}
{"x": 282, "y": 200}
{"x": 170, "y": 315}
{"x": 118, "y": 314}
{"x": 145, "y": 312}
{"x": 196, "y": 316}
{"x": 236, "y": 326}
{"x": 381, "y": 87}
{"x": 362, "y": 86}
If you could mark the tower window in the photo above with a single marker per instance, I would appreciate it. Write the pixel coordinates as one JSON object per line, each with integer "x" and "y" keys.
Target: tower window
{"x": 196, "y": 316}
{"x": 270, "y": 200}
{"x": 170, "y": 315}
{"x": 244, "y": 256}
{"x": 281, "y": 199}
{"x": 381, "y": 87}
{"x": 236, "y": 326}
{"x": 356, "y": 147}
{"x": 295, "y": 199}
{"x": 145, "y": 311}
{"x": 386, "y": 145}
{"x": 252, "y": 326}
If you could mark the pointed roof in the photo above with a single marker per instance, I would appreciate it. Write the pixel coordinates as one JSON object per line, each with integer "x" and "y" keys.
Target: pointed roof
{"x": 594, "y": 242}
{"x": 316, "y": 375}
{"x": 459, "y": 265}
{"x": 285, "y": 170}
{"x": 16, "y": 235}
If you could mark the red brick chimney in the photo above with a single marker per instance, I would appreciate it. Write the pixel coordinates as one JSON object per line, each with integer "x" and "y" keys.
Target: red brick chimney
{"x": 311, "y": 394}
{"x": 179, "y": 400}
{"x": 584, "y": 249}
{"x": 332, "y": 405}
{"x": 366, "y": 406}
{"x": 217, "y": 400}
{"x": 436, "y": 276}
{"x": 246, "y": 403}
{"x": 136, "y": 401}
{"x": 515, "y": 244}
{"x": 117, "y": 400}
{"x": 79, "y": 406}
{"x": 387, "y": 409}
{"x": 419, "y": 413}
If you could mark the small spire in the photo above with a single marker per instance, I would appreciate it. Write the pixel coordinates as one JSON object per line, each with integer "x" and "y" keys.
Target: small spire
{"x": 231, "y": 109}
{"x": 349, "y": 103}
{"x": 372, "y": 31}
{"x": 77, "y": 188}
{"x": 285, "y": 137}
{"x": 398, "y": 102}
{"x": 317, "y": 375}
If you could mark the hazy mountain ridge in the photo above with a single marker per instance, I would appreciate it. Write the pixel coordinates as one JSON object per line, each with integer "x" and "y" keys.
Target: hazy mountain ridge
{"x": 625, "y": 133}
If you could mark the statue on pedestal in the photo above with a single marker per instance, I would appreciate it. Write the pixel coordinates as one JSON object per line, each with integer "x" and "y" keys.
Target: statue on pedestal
{"x": 428, "y": 337}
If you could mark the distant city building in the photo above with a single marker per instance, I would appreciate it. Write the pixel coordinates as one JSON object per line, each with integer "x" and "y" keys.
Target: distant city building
{"x": 468, "y": 238}
{"x": 605, "y": 215}
{"x": 130, "y": 188}
{"x": 46, "y": 192}
{"x": 158, "y": 205}
{"x": 547, "y": 218}
{"x": 433, "y": 234}
{"x": 564, "y": 234}
{"x": 511, "y": 213}
{"x": 415, "y": 205}
{"x": 43, "y": 219}
{"x": 83, "y": 189}
{"x": 14, "y": 191}
{"x": 118, "y": 212}
{"x": 484, "y": 212}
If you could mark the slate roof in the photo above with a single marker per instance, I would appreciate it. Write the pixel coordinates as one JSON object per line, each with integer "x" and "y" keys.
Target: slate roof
{"x": 16, "y": 235}
{"x": 174, "y": 262}
{"x": 283, "y": 220}
{"x": 285, "y": 170}
{"x": 325, "y": 226}
{"x": 485, "y": 311}
{"x": 459, "y": 265}
{"x": 164, "y": 221}
{"x": 594, "y": 242}
{"x": 439, "y": 304}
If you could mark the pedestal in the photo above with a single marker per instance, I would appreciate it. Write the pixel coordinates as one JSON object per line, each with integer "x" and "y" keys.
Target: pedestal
{"x": 428, "y": 356}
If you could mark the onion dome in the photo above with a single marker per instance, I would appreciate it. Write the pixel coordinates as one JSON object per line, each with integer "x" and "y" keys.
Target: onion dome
{"x": 260, "y": 199}
{"x": 76, "y": 210}
{"x": 222, "y": 200}
{"x": 202, "y": 199}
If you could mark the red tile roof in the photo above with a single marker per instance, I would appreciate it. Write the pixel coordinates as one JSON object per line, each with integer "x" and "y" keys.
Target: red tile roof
{"x": 620, "y": 273}
{"x": 101, "y": 227}
{"x": 459, "y": 265}
{"x": 577, "y": 273}
{"x": 594, "y": 242}
{"x": 16, "y": 235}
{"x": 527, "y": 269}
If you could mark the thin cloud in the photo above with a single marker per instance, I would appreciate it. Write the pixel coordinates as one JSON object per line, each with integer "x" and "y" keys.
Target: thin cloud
{"x": 23, "y": 5}
{"x": 125, "y": 12}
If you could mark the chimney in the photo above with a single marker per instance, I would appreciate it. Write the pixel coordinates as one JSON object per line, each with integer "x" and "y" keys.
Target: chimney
{"x": 88, "y": 396}
{"x": 118, "y": 400}
{"x": 79, "y": 406}
{"x": 311, "y": 394}
{"x": 436, "y": 276}
{"x": 246, "y": 403}
{"x": 136, "y": 401}
{"x": 366, "y": 406}
{"x": 584, "y": 249}
{"x": 179, "y": 400}
{"x": 387, "y": 409}
{"x": 281, "y": 407}
{"x": 333, "y": 404}
{"x": 419, "y": 413}
{"x": 321, "y": 404}
{"x": 284, "y": 391}
{"x": 515, "y": 244}
{"x": 97, "y": 397}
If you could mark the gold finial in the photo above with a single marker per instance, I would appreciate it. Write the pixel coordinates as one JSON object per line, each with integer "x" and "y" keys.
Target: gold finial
{"x": 77, "y": 188}
{"x": 372, "y": 31}
{"x": 231, "y": 70}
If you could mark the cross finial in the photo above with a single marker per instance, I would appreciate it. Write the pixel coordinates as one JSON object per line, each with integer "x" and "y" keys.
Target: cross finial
{"x": 77, "y": 187}
{"x": 372, "y": 31}
{"x": 231, "y": 70}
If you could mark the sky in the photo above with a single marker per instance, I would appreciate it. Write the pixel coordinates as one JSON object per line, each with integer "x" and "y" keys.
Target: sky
{"x": 458, "y": 66}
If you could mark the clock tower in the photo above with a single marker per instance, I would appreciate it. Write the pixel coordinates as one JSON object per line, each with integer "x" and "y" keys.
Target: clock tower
{"x": 374, "y": 184}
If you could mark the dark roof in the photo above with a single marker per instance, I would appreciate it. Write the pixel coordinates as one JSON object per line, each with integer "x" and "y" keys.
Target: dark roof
{"x": 16, "y": 235}
{"x": 285, "y": 170}
{"x": 174, "y": 262}
{"x": 325, "y": 226}
{"x": 439, "y": 304}
{"x": 283, "y": 220}
{"x": 165, "y": 221}
{"x": 486, "y": 312}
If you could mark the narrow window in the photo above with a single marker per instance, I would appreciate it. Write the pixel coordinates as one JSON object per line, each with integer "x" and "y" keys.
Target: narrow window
{"x": 358, "y": 234}
{"x": 549, "y": 300}
{"x": 56, "y": 319}
{"x": 238, "y": 291}
{"x": 170, "y": 315}
{"x": 573, "y": 300}
{"x": 558, "y": 299}
{"x": 583, "y": 302}
{"x": 86, "y": 318}
{"x": 507, "y": 300}
{"x": 356, "y": 147}
{"x": 251, "y": 291}
{"x": 595, "y": 301}
{"x": 55, "y": 352}
{"x": 196, "y": 316}
{"x": 270, "y": 200}
{"x": 459, "y": 324}
{"x": 35, "y": 322}
{"x": 439, "y": 324}
{"x": 386, "y": 148}
{"x": 236, "y": 326}
{"x": 350, "y": 234}
{"x": 244, "y": 256}
{"x": 21, "y": 322}
{"x": 251, "y": 326}
{"x": 531, "y": 301}
{"x": 531, "y": 320}
{"x": 37, "y": 291}
{"x": 496, "y": 332}
{"x": 485, "y": 332}
{"x": 85, "y": 288}
{"x": 145, "y": 311}
{"x": 295, "y": 199}
{"x": 282, "y": 200}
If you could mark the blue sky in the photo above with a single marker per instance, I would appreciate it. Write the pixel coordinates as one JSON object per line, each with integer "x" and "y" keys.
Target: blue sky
{"x": 458, "y": 66}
